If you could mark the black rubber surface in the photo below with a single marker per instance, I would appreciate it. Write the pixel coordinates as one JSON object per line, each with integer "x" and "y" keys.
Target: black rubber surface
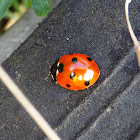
{"x": 108, "y": 110}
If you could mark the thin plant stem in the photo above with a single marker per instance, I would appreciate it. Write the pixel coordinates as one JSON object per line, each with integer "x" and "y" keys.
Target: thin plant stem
{"x": 36, "y": 116}
{"x": 135, "y": 41}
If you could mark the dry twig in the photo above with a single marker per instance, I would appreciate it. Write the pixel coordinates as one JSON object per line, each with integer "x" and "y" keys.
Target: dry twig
{"x": 5, "y": 78}
{"x": 135, "y": 41}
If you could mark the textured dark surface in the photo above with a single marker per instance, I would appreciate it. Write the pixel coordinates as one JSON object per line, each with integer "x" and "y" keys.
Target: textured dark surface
{"x": 110, "y": 109}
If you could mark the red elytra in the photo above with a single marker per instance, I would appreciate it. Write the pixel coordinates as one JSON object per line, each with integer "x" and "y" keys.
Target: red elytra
{"x": 75, "y": 71}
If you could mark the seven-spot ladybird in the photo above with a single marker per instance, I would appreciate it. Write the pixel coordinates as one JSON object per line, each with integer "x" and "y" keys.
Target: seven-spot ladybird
{"x": 75, "y": 71}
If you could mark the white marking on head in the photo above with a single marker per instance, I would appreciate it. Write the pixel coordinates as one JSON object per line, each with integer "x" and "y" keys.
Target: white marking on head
{"x": 88, "y": 75}
{"x": 57, "y": 72}
{"x": 80, "y": 77}
{"x": 58, "y": 64}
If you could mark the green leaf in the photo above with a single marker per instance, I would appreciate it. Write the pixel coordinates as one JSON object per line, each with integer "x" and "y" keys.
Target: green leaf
{"x": 9, "y": 15}
{"x": 26, "y": 3}
{"x": 41, "y": 7}
{"x": 16, "y": 5}
{"x": 4, "y": 6}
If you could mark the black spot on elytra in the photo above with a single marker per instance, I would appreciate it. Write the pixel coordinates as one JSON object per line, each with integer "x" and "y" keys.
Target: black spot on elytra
{"x": 67, "y": 85}
{"x": 89, "y": 59}
{"x": 60, "y": 67}
{"x": 72, "y": 75}
{"x": 86, "y": 83}
{"x": 74, "y": 60}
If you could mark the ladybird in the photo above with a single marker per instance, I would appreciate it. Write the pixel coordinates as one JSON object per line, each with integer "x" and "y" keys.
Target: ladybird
{"x": 75, "y": 71}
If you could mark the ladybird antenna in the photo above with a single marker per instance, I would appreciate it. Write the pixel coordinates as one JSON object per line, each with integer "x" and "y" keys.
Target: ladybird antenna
{"x": 135, "y": 41}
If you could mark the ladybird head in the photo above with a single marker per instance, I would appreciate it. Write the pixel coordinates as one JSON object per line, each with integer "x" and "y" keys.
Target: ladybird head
{"x": 53, "y": 70}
